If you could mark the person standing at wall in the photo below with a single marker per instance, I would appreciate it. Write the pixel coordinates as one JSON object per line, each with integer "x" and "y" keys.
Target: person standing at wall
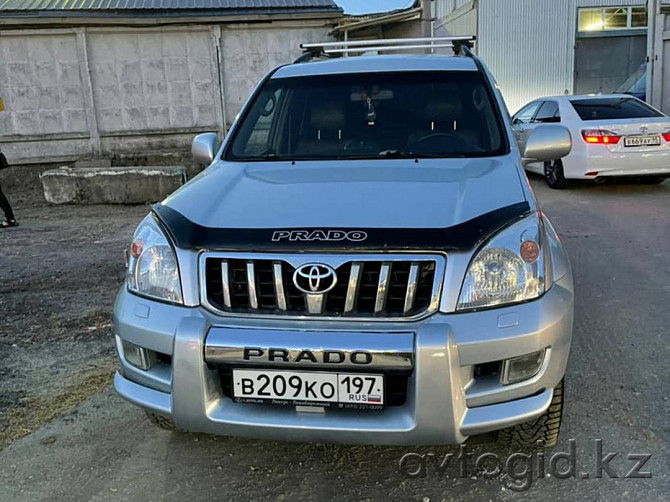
{"x": 9, "y": 220}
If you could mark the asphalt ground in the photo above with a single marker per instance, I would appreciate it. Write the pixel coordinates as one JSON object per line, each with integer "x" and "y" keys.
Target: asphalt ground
{"x": 617, "y": 396}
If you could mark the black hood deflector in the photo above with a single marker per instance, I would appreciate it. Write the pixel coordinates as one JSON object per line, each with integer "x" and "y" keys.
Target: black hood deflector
{"x": 461, "y": 237}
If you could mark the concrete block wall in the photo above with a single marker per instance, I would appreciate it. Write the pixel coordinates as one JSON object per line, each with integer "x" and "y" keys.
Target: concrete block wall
{"x": 148, "y": 80}
{"x": 250, "y": 51}
{"x": 112, "y": 91}
{"x": 40, "y": 86}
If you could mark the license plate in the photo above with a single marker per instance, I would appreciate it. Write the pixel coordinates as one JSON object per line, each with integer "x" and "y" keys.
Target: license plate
{"x": 341, "y": 390}
{"x": 642, "y": 140}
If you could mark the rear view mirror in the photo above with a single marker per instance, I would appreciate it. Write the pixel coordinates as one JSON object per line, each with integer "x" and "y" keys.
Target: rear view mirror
{"x": 204, "y": 147}
{"x": 547, "y": 142}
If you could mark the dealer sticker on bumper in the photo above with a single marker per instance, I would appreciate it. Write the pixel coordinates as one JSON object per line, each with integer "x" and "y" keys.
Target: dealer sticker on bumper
{"x": 343, "y": 390}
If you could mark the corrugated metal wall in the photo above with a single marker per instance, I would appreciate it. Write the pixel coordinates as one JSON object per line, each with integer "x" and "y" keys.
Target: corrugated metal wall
{"x": 660, "y": 95}
{"x": 463, "y": 22}
{"x": 445, "y": 7}
{"x": 528, "y": 45}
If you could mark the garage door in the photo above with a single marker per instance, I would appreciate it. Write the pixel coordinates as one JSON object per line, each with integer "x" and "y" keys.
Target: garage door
{"x": 602, "y": 64}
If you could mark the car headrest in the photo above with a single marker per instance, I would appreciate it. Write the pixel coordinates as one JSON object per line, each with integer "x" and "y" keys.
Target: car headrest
{"x": 441, "y": 109}
{"x": 327, "y": 115}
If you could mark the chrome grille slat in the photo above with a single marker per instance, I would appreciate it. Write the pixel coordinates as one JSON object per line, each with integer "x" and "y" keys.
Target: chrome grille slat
{"x": 251, "y": 285}
{"x": 225, "y": 283}
{"x": 279, "y": 285}
{"x": 412, "y": 281}
{"x": 352, "y": 288}
{"x": 382, "y": 287}
{"x": 388, "y": 286}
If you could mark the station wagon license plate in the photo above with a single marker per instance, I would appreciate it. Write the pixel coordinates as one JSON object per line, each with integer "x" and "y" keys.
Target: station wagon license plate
{"x": 341, "y": 390}
{"x": 654, "y": 140}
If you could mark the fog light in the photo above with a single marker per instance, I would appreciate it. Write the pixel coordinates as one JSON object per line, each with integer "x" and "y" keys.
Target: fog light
{"x": 138, "y": 356}
{"x": 522, "y": 367}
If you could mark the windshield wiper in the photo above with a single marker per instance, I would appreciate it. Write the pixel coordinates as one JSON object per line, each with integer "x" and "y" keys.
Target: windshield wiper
{"x": 267, "y": 156}
{"x": 399, "y": 154}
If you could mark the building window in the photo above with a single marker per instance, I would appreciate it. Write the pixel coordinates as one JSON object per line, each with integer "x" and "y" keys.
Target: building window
{"x": 638, "y": 17}
{"x": 611, "y": 18}
{"x": 615, "y": 18}
{"x": 590, "y": 19}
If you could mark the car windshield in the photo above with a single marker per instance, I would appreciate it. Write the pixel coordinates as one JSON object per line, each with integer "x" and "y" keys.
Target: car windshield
{"x": 370, "y": 115}
{"x": 613, "y": 108}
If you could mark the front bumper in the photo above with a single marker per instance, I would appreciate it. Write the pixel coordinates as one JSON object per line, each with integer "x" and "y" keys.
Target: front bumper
{"x": 445, "y": 401}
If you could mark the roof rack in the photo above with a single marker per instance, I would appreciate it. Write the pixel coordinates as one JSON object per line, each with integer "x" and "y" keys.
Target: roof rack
{"x": 460, "y": 45}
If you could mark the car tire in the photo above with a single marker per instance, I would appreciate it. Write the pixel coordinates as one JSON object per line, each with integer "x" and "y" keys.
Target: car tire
{"x": 161, "y": 421}
{"x": 652, "y": 180}
{"x": 544, "y": 428}
{"x": 554, "y": 174}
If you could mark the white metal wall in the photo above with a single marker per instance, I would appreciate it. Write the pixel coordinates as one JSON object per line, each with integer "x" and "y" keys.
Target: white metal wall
{"x": 660, "y": 88}
{"x": 461, "y": 21}
{"x": 528, "y": 41}
{"x": 446, "y": 7}
{"x": 662, "y": 81}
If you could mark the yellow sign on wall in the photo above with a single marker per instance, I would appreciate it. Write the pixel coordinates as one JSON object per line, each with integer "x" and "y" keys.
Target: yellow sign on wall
{"x": 2, "y": 105}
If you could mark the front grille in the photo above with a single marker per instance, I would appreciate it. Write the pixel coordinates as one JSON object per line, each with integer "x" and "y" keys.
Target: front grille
{"x": 397, "y": 286}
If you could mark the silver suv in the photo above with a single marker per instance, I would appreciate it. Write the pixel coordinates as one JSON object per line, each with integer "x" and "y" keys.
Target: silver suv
{"x": 363, "y": 261}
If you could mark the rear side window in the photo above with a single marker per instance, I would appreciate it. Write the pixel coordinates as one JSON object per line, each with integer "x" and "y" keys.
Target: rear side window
{"x": 613, "y": 108}
{"x": 525, "y": 115}
{"x": 548, "y": 113}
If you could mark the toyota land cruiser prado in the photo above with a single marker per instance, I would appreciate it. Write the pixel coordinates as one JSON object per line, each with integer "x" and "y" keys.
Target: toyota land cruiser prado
{"x": 363, "y": 261}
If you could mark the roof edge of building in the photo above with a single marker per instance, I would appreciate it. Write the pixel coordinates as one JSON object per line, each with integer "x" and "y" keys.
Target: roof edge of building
{"x": 156, "y": 18}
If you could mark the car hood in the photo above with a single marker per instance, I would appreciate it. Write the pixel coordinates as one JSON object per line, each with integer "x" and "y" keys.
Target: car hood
{"x": 433, "y": 193}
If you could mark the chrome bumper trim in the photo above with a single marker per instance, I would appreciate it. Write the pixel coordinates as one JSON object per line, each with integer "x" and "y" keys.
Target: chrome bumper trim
{"x": 311, "y": 349}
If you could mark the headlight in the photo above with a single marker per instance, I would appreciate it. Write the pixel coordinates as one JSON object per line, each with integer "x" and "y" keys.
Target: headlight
{"x": 152, "y": 267}
{"x": 510, "y": 268}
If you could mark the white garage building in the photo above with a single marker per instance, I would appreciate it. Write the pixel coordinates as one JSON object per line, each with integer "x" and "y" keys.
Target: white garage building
{"x": 546, "y": 47}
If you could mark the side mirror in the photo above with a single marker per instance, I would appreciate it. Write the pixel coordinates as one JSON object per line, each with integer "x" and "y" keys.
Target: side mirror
{"x": 204, "y": 147}
{"x": 547, "y": 142}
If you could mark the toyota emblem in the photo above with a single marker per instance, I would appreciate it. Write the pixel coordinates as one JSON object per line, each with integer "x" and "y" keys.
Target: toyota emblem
{"x": 314, "y": 278}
